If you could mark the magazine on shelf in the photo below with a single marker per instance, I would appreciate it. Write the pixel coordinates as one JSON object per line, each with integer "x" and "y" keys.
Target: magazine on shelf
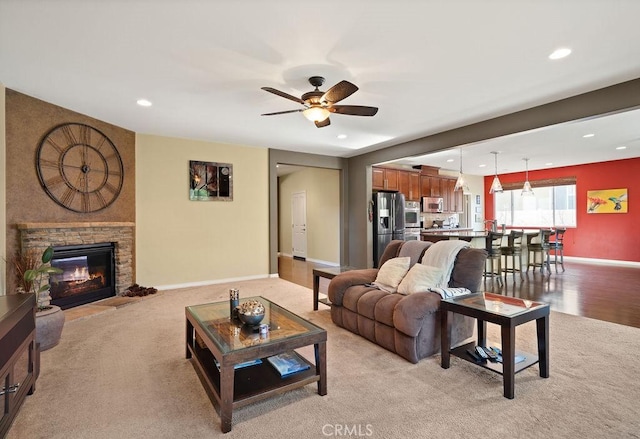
{"x": 518, "y": 358}
{"x": 241, "y": 365}
{"x": 288, "y": 363}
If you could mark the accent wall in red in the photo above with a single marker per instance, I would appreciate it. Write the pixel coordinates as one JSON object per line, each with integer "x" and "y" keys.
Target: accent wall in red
{"x": 614, "y": 236}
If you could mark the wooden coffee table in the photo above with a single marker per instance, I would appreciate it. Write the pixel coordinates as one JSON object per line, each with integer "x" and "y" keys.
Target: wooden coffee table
{"x": 213, "y": 337}
{"x": 508, "y": 312}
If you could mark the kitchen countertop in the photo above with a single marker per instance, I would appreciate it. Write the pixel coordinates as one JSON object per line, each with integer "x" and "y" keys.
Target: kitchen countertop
{"x": 445, "y": 230}
{"x": 454, "y": 233}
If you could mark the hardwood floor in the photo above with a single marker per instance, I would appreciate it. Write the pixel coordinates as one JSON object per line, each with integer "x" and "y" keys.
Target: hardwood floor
{"x": 602, "y": 292}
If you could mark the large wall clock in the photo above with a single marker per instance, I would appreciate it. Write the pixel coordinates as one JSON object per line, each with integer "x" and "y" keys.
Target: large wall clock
{"x": 79, "y": 167}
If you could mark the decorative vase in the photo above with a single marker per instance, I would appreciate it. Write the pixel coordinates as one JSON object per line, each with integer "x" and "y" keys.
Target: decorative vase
{"x": 49, "y": 323}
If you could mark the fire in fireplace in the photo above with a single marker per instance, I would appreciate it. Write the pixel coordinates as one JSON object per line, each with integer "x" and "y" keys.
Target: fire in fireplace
{"x": 88, "y": 274}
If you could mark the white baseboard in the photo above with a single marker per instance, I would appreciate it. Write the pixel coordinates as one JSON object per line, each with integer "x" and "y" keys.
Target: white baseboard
{"x": 212, "y": 282}
{"x": 602, "y": 261}
{"x": 317, "y": 261}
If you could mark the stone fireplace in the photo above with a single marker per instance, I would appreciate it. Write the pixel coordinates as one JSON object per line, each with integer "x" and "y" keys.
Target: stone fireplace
{"x": 39, "y": 236}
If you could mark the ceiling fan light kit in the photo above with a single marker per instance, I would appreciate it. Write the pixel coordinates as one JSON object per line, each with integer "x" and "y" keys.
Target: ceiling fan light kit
{"x": 316, "y": 114}
{"x": 319, "y": 105}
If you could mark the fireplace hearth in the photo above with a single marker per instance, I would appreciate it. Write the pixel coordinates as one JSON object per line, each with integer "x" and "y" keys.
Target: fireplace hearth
{"x": 88, "y": 274}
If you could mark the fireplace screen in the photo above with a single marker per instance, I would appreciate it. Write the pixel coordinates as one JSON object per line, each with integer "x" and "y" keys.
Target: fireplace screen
{"x": 87, "y": 274}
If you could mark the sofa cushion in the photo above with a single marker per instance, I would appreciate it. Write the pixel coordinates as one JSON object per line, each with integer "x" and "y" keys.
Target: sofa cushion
{"x": 468, "y": 269}
{"x": 415, "y": 250}
{"x": 390, "y": 251}
{"x": 385, "y": 307}
{"x": 391, "y": 273}
{"x": 367, "y": 303}
{"x": 420, "y": 278}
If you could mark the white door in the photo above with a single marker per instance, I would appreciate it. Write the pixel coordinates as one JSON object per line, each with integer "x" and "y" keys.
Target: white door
{"x": 299, "y": 224}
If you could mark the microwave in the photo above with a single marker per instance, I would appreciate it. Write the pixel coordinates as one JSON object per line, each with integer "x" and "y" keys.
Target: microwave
{"x": 432, "y": 204}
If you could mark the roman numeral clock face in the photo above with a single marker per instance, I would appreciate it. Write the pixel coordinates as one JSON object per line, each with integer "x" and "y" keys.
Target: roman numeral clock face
{"x": 79, "y": 168}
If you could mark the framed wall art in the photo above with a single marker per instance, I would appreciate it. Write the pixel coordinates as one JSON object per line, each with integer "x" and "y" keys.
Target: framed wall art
{"x": 210, "y": 181}
{"x": 607, "y": 201}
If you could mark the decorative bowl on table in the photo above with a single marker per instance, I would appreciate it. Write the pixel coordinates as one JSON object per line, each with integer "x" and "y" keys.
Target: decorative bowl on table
{"x": 251, "y": 312}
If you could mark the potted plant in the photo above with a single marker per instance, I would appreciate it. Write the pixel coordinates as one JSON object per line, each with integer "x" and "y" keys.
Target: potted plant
{"x": 33, "y": 275}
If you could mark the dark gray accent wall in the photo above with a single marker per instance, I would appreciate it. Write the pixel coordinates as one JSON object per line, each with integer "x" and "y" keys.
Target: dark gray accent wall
{"x": 620, "y": 97}
{"x": 301, "y": 159}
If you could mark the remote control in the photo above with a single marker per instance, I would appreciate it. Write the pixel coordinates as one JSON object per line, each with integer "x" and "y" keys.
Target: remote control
{"x": 481, "y": 352}
{"x": 492, "y": 355}
{"x": 475, "y": 356}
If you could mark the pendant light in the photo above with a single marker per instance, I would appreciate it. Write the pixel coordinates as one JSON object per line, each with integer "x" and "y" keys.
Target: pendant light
{"x": 526, "y": 189}
{"x": 496, "y": 187}
{"x": 461, "y": 183}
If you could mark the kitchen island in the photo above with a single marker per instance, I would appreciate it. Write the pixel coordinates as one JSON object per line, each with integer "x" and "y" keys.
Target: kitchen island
{"x": 476, "y": 238}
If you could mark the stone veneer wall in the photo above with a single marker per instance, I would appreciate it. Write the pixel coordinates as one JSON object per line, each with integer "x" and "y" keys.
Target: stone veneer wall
{"x": 39, "y": 236}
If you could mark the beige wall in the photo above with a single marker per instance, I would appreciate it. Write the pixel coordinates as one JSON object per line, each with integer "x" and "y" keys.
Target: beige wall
{"x": 3, "y": 196}
{"x": 322, "y": 187}
{"x": 182, "y": 242}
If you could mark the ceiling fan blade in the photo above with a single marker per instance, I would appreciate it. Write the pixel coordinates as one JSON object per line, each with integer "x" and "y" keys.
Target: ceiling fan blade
{"x": 353, "y": 110}
{"x": 323, "y": 123}
{"x": 283, "y": 94}
{"x": 338, "y": 92}
{"x": 283, "y": 112}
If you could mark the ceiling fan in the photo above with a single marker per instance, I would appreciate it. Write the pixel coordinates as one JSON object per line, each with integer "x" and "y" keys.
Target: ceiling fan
{"x": 318, "y": 105}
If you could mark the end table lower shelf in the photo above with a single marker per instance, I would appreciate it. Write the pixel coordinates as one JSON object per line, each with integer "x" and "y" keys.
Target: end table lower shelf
{"x": 461, "y": 352}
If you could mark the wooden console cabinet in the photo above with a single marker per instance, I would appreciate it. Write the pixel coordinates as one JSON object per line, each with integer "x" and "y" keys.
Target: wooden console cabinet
{"x": 18, "y": 354}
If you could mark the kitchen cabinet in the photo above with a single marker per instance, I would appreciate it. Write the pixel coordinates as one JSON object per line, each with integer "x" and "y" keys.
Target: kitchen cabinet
{"x": 409, "y": 185}
{"x": 457, "y": 200}
{"x": 431, "y": 186}
{"x": 384, "y": 179}
{"x": 438, "y": 186}
{"x": 18, "y": 354}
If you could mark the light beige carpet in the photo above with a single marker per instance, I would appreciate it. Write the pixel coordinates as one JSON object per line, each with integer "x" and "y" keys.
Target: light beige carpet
{"x": 123, "y": 374}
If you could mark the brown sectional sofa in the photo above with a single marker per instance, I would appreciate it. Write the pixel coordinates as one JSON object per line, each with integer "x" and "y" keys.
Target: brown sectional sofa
{"x": 407, "y": 325}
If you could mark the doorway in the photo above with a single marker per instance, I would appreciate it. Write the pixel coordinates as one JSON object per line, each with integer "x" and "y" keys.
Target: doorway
{"x": 299, "y": 225}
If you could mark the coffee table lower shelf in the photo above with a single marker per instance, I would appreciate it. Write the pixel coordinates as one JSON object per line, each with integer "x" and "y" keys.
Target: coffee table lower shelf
{"x": 461, "y": 352}
{"x": 251, "y": 383}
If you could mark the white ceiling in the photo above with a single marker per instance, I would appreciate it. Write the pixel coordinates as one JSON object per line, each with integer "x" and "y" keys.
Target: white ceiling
{"x": 428, "y": 65}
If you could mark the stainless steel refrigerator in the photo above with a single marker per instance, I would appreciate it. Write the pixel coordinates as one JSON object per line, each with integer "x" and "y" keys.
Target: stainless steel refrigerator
{"x": 388, "y": 221}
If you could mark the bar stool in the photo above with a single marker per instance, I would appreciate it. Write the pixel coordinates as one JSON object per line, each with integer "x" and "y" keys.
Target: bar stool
{"x": 493, "y": 244}
{"x": 513, "y": 250}
{"x": 557, "y": 247}
{"x": 542, "y": 248}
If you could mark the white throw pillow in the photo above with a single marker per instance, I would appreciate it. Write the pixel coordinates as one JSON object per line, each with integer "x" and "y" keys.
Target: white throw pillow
{"x": 420, "y": 278}
{"x": 391, "y": 273}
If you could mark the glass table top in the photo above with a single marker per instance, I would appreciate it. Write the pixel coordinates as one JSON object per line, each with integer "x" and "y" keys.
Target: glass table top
{"x": 231, "y": 335}
{"x": 497, "y": 304}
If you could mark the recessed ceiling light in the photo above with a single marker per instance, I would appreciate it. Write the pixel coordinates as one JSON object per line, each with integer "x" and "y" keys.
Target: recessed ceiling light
{"x": 621, "y": 147}
{"x": 144, "y": 103}
{"x": 588, "y": 135}
{"x": 342, "y": 136}
{"x": 450, "y": 161}
{"x": 482, "y": 166}
{"x": 548, "y": 164}
{"x": 560, "y": 53}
